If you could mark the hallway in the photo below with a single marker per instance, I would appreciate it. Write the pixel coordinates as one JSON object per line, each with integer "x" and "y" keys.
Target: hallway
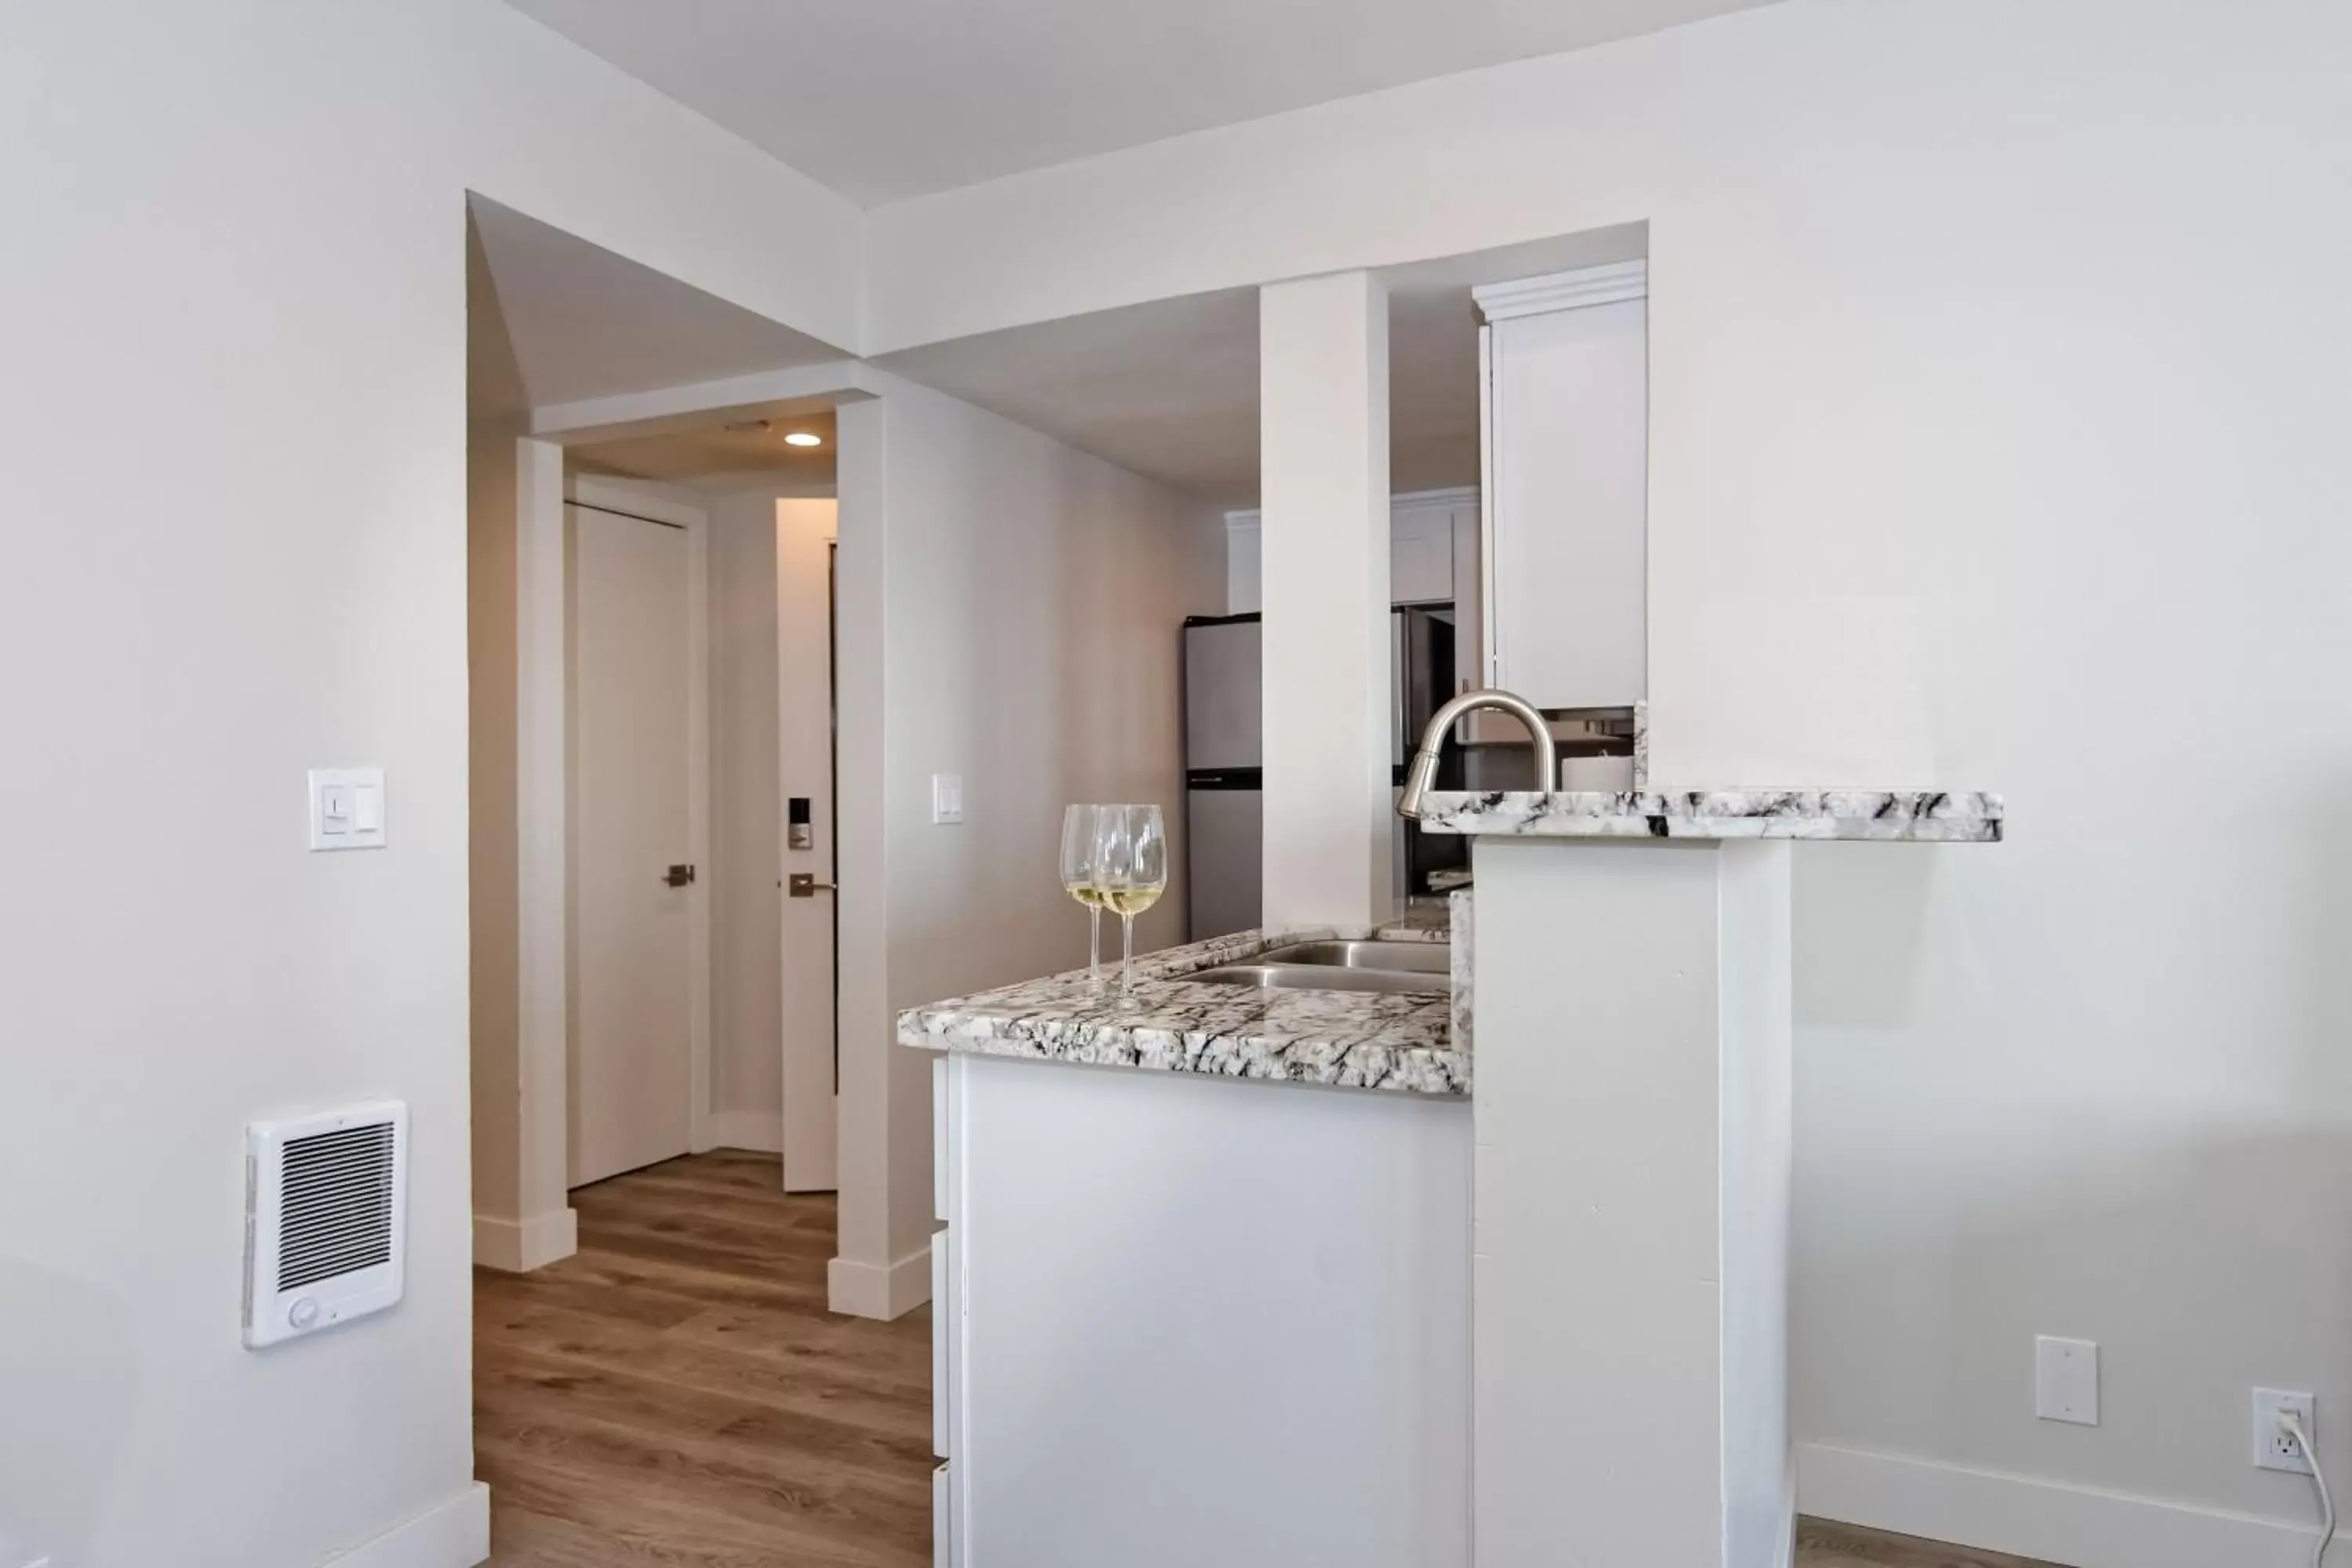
{"x": 677, "y": 1393}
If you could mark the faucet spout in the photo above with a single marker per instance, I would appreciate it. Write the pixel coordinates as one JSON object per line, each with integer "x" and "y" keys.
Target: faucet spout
{"x": 1423, "y": 771}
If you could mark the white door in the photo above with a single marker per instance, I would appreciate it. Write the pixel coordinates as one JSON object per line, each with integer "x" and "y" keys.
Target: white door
{"x": 632, "y": 1054}
{"x": 804, "y": 537}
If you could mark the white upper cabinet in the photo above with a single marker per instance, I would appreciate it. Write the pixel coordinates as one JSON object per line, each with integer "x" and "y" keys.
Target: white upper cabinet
{"x": 1421, "y": 546}
{"x": 1433, "y": 557}
{"x": 1566, "y": 422}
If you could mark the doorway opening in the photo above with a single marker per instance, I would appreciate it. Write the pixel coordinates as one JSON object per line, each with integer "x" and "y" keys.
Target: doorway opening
{"x": 651, "y": 625}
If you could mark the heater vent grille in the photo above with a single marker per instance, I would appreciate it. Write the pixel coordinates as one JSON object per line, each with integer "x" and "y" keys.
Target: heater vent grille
{"x": 336, "y": 1205}
{"x": 326, "y": 1212}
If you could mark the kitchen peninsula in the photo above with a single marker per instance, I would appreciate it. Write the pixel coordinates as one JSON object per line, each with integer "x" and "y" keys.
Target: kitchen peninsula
{"x": 1221, "y": 1302}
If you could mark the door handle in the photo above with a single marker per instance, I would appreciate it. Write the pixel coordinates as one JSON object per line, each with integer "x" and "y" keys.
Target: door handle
{"x": 678, "y": 876}
{"x": 804, "y": 885}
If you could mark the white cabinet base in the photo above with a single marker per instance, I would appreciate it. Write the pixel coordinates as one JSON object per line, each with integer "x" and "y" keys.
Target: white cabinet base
{"x": 1207, "y": 1323}
{"x": 1634, "y": 1135}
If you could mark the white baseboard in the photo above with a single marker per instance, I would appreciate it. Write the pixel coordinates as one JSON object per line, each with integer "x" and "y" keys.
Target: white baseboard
{"x": 453, "y": 1534}
{"x": 2051, "y": 1521}
{"x": 519, "y": 1246}
{"x": 871, "y": 1290}
{"x": 761, "y": 1131}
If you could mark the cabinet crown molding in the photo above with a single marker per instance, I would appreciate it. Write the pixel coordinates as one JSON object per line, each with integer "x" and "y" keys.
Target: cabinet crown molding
{"x": 1402, "y": 501}
{"x": 1562, "y": 291}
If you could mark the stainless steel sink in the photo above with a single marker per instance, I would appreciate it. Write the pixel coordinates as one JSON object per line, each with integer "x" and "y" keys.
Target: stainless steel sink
{"x": 1325, "y": 977}
{"x": 1409, "y": 957}
{"x": 1402, "y": 968}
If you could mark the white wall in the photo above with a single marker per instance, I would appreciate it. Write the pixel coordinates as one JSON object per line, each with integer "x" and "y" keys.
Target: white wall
{"x": 248, "y": 221}
{"x": 516, "y": 793}
{"x": 1998, "y": 394}
{"x": 1019, "y": 602}
{"x": 493, "y": 481}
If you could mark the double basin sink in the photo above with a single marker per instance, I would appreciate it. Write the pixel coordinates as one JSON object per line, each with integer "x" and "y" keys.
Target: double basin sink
{"x": 1404, "y": 968}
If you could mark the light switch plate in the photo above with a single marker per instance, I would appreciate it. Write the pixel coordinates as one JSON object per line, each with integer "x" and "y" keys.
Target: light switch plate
{"x": 947, "y": 798}
{"x": 2066, "y": 1380}
{"x": 347, "y": 808}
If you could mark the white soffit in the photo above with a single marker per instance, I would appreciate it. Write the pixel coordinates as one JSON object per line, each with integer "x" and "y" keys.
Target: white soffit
{"x": 1170, "y": 389}
{"x": 883, "y": 99}
{"x": 580, "y": 321}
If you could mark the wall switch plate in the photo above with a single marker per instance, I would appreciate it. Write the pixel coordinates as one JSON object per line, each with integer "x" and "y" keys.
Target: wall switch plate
{"x": 2066, "y": 1380}
{"x": 347, "y": 808}
{"x": 2274, "y": 1449}
{"x": 947, "y": 798}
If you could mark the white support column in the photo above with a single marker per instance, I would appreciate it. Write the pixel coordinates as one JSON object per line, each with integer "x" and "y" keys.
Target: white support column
{"x": 1323, "y": 374}
{"x": 1630, "y": 1286}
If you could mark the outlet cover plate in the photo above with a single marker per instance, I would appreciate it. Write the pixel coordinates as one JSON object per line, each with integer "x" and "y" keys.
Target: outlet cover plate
{"x": 2066, "y": 1380}
{"x": 2274, "y": 1451}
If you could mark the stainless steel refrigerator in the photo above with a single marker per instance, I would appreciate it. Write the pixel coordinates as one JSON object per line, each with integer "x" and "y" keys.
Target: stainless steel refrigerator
{"x": 1223, "y": 759}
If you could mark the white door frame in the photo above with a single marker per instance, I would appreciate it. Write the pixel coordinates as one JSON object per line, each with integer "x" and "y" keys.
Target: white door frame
{"x": 660, "y": 504}
{"x": 864, "y": 1280}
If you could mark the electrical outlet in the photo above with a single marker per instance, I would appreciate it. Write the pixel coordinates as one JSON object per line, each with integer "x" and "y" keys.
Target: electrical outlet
{"x": 2274, "y": 1449}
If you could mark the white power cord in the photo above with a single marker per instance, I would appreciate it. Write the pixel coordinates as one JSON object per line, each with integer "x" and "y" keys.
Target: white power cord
{"x": 2292, "y": 1426}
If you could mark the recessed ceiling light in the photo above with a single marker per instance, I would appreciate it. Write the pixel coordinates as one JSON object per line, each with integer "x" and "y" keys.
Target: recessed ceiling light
{"x": 802, "y": 438}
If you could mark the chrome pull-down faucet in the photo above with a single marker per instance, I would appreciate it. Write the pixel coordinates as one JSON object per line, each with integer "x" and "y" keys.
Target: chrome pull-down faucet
{"x": 1423, "y": 771}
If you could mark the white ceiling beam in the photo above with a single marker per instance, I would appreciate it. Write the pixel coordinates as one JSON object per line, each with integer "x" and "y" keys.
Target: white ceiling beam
{"x": 772, "y": 394}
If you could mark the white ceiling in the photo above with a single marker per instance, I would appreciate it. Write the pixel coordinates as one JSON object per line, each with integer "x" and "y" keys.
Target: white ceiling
{"x": 1170, "y": 389}
{"x": 563, "y": 320}
{"x": 741, "y": 455}
{"x": 882, "y": 100}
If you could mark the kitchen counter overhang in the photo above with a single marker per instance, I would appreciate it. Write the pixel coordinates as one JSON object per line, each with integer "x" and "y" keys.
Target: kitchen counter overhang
{"x": 1386, "y": 1043}
{"x": 1928, "y": 816}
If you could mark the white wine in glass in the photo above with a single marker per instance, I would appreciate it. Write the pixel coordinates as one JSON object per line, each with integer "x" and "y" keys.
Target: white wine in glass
{"x": 1131, "y": 873}
{"x": 1082, "y": 834}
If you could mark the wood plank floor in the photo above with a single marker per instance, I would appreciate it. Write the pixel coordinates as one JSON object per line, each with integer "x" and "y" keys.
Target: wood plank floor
{"x": 1821, "y": 1544}
{"x": 676, "y": 1395}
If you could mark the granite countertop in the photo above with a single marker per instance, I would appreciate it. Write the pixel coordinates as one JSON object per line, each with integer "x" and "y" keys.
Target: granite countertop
{"x": 1344, "y": 1040}
{"x": 1424, "y": 919}
{"x": 1918, "y": 816}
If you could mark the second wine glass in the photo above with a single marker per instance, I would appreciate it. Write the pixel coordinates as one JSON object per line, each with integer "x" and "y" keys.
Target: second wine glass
{"x": 1131, "y": 873}
{"x": 1082, "y": 833}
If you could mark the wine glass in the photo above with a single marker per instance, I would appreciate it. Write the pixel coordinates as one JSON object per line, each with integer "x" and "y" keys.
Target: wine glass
{"x": 1131, "y": 872}
{"x": 1081, "y": 855}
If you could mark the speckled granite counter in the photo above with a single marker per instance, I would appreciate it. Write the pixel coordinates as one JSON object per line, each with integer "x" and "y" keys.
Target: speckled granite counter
{"x": 1424, "y": 919}
{"x": 1919, "y": 815}
{"x": 1344, "y": 1040}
